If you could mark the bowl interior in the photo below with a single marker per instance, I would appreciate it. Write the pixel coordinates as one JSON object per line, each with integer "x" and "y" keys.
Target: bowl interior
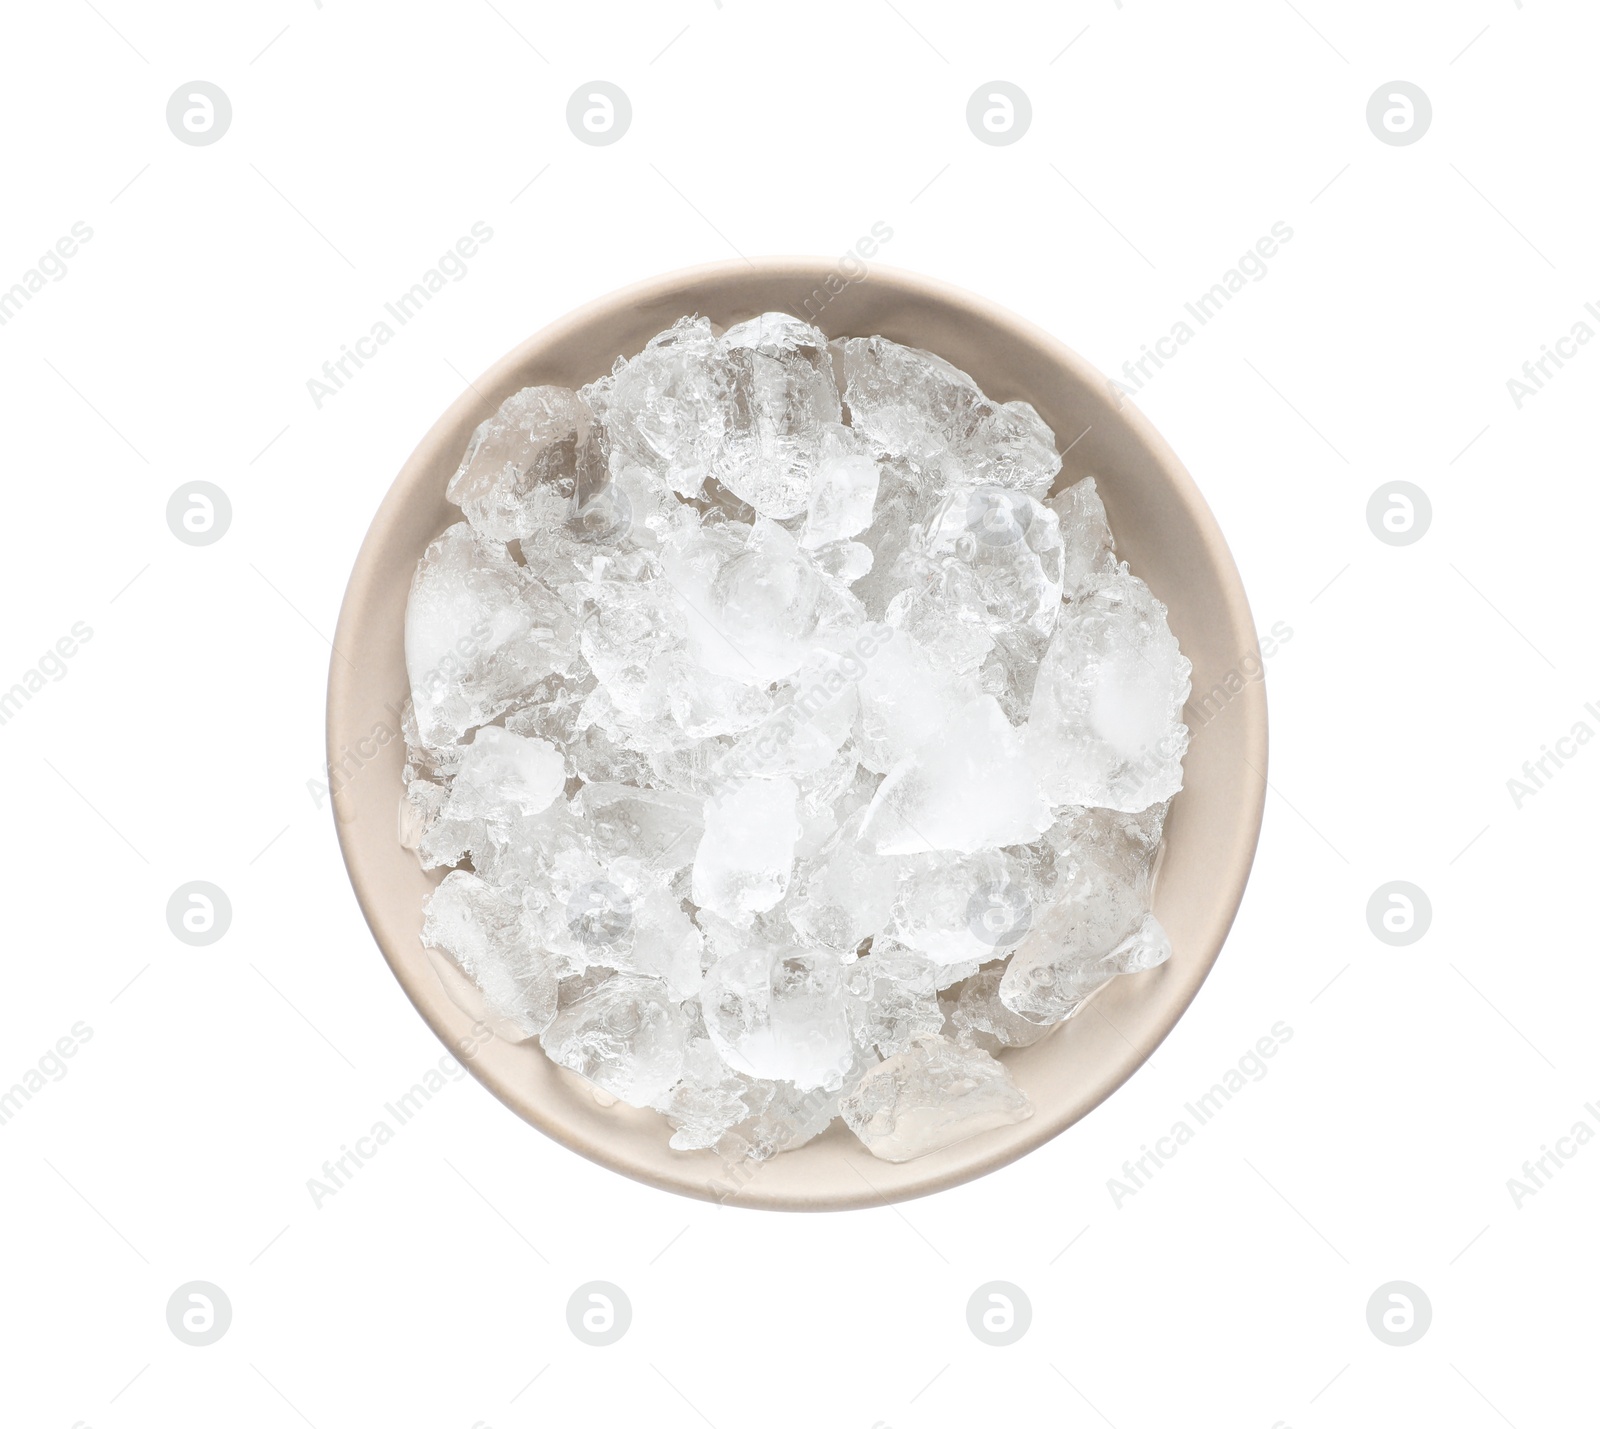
{"x": 1162, "y": 528}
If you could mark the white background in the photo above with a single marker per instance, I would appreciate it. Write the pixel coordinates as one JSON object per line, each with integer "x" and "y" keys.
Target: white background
{"x": 1166, "y": 140}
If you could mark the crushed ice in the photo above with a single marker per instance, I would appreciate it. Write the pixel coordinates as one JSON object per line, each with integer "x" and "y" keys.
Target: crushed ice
{"x": 792, "y": 752}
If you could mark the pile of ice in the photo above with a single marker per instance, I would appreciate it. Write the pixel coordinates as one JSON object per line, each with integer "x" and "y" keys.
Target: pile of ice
{"x": 791, "y": 754}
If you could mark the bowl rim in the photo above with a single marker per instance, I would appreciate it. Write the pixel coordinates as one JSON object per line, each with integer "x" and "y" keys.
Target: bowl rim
{"x": 420, "y": 981}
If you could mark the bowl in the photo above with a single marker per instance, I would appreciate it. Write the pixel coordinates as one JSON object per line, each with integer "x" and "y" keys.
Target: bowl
{"x": 1162, "y": 528}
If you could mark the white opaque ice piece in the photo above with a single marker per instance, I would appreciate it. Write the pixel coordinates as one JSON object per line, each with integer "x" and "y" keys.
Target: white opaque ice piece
{"x": 504, "y": 772}
{"x": 746, "y": 855}
{"x": 972, "y": 788}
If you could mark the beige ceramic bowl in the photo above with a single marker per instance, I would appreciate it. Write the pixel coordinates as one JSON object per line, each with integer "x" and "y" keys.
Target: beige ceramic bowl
{"x": 1162, "y": 528}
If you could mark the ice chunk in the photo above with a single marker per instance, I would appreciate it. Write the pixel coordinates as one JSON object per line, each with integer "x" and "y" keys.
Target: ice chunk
{"x": 1009, "y": 671}
{"x": 525, "y": 464}
{"x": 481, "y": 928}
{"x": 1017, "y": 449}
{"x": 503, "y": 774}
{"x": 888, "y": 1015}
{"x": 1036, "y": 870}
{"x": 420, "y": 806}
{"x": 438, "y": 762}
{"x": 551, "y": 713}
{"x": 1011, "y": 544}
{"x": 973, "y": 788}
{"x": 545, "y": 856}
{"x": 957, "y": 776}
{"x": 1101, "y": 923}
{"x": 660, "y": 828}
{"x": 667, "y": 409}
{"x": 944, "y": 614}
{"x": 903, "y": 697}
{"x": 480, "y": 633}
{"x": 746, "y": 856}
{"x": 647, "y": 933}
{"x": 781, "y": 401}
{"x": 907, "y": 402}
{"x": 897, "y": 516}
{"x": 1085, "y": 535}
{"x": 844, "y": 489}
{"x": 597, "y": 903}
{"x": 1051, "y": 977}
{"x": 503, "y": 779}
{"x": 844, "y": 561}
{"x": 625, "y": 1035}
{"x": 1106, "y": 723}
{"x": 956, "y": 908}
{"x": 931, "y": 1096}
{"x": 828, "y": 798}
{"x": 812, "y": 717}
{"x": 980, "y": 1019}
{"x": 846, "y": 893}
{"x": 780, "y": 1013}
{"x": 624, "y": 628}
{"x": 788, "y": 1118}
{"x": 703, "y": 703}
{"x": 691, "y": 770}
{"x": 910, "y": 403}
{"x": 652, "y": 510}
{"x": 755, "y": 606}
{"x": 602, "y": 515}
{"x": 780, "y": 337}
{"x": 916, "y": 969}
{"x": 708, "y": 1100}
{"x": 600, "y": 755}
